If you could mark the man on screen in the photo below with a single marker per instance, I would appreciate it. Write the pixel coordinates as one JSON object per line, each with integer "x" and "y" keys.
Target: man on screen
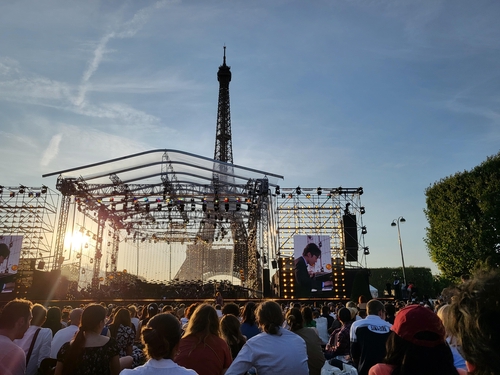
{"x": 305, "y": 280}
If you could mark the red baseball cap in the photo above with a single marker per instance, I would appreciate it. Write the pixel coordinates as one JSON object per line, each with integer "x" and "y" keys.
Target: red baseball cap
{"x": 415, "y": 319}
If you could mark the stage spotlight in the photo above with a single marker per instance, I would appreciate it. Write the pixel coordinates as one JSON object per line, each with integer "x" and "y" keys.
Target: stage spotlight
{"x": 363, "y": 230}
{"x": 366, "y": 251}
{"x": 30, "y": 194}
{"x": 1, "y": 189}
{"x": 298, "y": 190}
{"x": 319, "y": 191}
{"x": 290, "y": 196}
{"x": 308, "y": 196}
{"x": 44, "y": 189}
{"x": 362, "y": 210}
{"x": 238, "y": 204}
{"x": 277, "y": 190}
{"x": 21, "y": 189}
{"x": 360, "y": 191}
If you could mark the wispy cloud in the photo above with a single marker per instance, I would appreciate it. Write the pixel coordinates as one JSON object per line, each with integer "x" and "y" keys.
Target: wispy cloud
{"x": 52, "y": 150}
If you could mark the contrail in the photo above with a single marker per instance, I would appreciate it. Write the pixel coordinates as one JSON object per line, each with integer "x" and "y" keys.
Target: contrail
{"x": 127, "y": 30}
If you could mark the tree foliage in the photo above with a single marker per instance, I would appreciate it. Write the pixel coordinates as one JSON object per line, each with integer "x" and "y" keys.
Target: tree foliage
{"x": 463, "y": 212}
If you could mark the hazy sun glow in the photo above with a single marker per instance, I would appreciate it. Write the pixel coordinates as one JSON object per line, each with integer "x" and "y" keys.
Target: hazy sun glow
{"x": 75, "y": 240}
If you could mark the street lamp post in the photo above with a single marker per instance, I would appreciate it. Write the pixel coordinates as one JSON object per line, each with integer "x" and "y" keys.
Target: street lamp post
{"x": 394, "y": 223}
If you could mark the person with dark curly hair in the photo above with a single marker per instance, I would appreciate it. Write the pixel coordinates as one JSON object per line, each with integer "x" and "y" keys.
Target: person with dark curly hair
{"x": 475, "y": 322}
{"x": 161, "y": 338}
{"x": 274, "y": 351}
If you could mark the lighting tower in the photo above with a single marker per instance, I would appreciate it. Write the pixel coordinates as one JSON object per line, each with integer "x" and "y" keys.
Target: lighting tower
{"x": 223, "y": 144}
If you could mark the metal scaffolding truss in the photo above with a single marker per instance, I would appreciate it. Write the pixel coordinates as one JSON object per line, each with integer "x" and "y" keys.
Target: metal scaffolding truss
{"x": 30, "y": 212}
{"x": 318, "y": 211}
{"x": 168, "y": 196}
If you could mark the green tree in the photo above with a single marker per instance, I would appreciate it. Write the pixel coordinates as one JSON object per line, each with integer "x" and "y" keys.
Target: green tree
{"x": 463, "y": 212}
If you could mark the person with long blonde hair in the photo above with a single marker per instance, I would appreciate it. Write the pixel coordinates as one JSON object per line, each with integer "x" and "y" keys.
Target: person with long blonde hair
{"x": 201, "y": 348}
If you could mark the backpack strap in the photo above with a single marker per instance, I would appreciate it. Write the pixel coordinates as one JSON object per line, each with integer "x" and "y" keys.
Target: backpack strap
{"x": 28, "y": 356}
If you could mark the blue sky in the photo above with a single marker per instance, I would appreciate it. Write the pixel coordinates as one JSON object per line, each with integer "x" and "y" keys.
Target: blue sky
{"x": 388, "y": 95}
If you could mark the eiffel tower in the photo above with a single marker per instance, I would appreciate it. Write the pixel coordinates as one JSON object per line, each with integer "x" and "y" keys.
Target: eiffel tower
{"x": 202, "y": 258}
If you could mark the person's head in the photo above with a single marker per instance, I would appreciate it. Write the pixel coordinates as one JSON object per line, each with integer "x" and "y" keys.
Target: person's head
{"x": 325, "y": 310}
{"x": 248, "y": 314}
{"x": 93, "y": 318}
{"x": 474, "y": 321}
{"x": 39, "y": 314}
{"x": 231, "y": 308}
{"x": 203, "y": 322}
{"x": 132, "y": 310}
{"x": 190, "y": 310}
{"x": 390, "y": 309}
{"x": 417, "y": 343}
{"x": 75, "y": 316}
{"x": 152, "y": 310}
{"x": 375, "y": 307}
{"x": 230, "y": 329}
{"x": 120, "y": 318}
{"x": 161, "y": 336}
{"x": 269, "y": 317}
{"x": 295, "y": 319}
{"x": 54, "y": 314}
{"x": 344, "y": 315}
{"x": 311, "y": 253}
{"x": 167, "y": 309}
{"x": 4, "y": 252}
{"x": 361, "y": 299}
{"x": 307, "y": 314}
{"x": 15, "y": 318}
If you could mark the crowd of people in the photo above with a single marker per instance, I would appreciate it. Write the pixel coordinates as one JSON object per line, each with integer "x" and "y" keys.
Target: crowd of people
{"x": 460, "y": 334}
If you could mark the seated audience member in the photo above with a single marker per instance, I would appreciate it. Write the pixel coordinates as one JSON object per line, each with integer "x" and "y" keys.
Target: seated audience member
{"x": 307, "y": 314}
{"x": 368, "y": 337}
{"x": 89, "y": 352}
{"x": 339, "y": 342}
{"x": 54, "y": 320}
{"x": 231, "y": 308}
{"x": 474, "y": 318}
{"x": 66, "y": 334}
{"x": 325, "y": 312}
{"x": 417, "y": 346}
{"x": 390, "y": 312}
{"x": 443, "y": 314}
{"x": 161, "y": 338}
{"x": 249, "y": 327}
{"x": 275, "y": 350}
{"x": 315, "y": 357}
{"x": 36, "y": 341}
{"x": 322, "y": 327}
{"x": 134, "y": 319}
{"x": 122, "y": 330}
{"x": 230, "y": 329}
{"x": 15, "y": 319}
{"x": 201, "y": 348}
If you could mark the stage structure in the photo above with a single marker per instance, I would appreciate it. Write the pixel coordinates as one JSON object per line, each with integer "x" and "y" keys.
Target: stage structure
{"x": 333, "y": 212}
{"x": 27, "y": 224}
{"x": 187, "y": 216}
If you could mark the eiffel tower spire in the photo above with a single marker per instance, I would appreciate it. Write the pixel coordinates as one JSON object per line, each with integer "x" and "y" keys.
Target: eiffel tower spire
{"x": 223, "y": 143}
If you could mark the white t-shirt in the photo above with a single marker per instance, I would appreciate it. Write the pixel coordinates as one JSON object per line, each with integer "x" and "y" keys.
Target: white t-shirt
{"x": 62, "y": 337}
{"x": 163, "y": 366}
{"x": 12, "y": 358}
{"x": 41, "y": 349}
{"x": 284, "y": 353}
